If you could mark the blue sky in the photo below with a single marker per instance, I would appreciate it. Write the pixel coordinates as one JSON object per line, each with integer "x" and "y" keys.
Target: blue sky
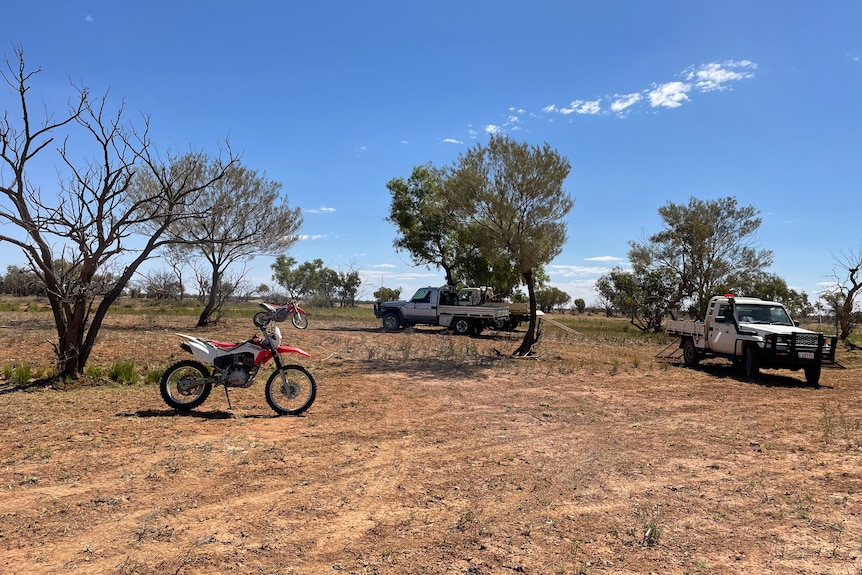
{"x": 650, "y": 101}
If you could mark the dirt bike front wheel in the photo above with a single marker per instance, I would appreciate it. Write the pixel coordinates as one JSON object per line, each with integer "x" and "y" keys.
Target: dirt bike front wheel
{"x": 185, "y": 385}
{"x": 299, "y": 320}
{"x": 290, "y": 390}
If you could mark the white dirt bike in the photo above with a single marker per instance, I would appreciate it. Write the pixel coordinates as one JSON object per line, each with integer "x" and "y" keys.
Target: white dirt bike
{"x": 290, "y": 389}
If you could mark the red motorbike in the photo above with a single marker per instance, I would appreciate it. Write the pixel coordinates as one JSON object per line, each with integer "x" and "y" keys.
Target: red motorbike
{"x": 295, "y": 313}
{"x": 289, "y": 390}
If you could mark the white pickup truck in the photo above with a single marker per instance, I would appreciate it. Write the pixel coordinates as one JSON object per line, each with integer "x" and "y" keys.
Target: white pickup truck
{"x": 753, "y": 334}
{"x": 460, "y": 312}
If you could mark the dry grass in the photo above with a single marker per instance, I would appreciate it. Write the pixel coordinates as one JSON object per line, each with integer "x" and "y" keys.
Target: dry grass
{"x": 430, "y": 453}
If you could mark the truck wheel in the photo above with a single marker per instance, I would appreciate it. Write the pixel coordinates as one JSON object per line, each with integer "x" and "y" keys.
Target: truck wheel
{"x": 689, "y": 353}
{"x": 391, "y": 322}
{"x": 812, "y": 375}
{"x": 462, "y": 326}
{"x": 752, "y": 362}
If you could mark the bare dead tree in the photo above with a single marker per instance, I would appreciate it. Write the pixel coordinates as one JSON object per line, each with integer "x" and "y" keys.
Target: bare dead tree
{"x": 81, "y": 240}
{"x": 843, "y": 294}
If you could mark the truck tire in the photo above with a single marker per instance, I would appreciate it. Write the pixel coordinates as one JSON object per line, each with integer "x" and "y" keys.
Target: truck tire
{"x": 752, "y": 362}
{"x": 391, "y": 322}
{"x": 812, "y": 375}
{"x": 462, "y": 326}
{"x": 690, "y": 358}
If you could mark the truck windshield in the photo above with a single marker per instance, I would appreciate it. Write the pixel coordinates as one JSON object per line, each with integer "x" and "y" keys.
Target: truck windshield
{"x": 422, "y": 295}
{"x": 763, "y": 313}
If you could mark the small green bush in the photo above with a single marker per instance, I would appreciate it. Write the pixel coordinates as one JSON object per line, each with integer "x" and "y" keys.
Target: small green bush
{"x": 123, "y": 372}
{"x": 94, "y": 370}
{"x": 153, "y": 376}
{"x": 18, "y": 374}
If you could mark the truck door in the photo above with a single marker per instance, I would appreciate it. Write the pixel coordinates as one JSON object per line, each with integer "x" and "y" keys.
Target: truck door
{"x": 423, "y": 306}
{"x": 722, "y": 330}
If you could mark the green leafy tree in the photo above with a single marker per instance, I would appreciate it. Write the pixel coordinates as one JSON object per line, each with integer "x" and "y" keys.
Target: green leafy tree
{"x": 643, "y": 295}
{"x": 348, "y": 287}
{"x": 428, "y": 232}
{"x": 580, "y": 305}
{"x": 387, "y": 294}
{"x": 310, "y": 281}
{"x": 705, "y": 245}
{"x": 548, "y": 298}
{"x": 94, "y": 211}
{"x": 22, "y": 281}
{"x": 417, "y": 210}
{"x": 508, "y": 199}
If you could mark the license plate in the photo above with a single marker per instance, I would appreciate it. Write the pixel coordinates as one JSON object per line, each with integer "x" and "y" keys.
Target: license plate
{"x": 806, "y": 355}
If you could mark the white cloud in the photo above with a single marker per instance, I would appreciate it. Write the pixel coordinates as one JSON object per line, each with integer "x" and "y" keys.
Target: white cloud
{"x": 624, "y": 101}
{"x": 320, "y": 210}
{"x": 586, "y": 107}
{"x": 669, "y": 95}
{"x": 591, "y": 107}
{"x": 452, "y": 141}
{"x": 604, "y": 259}
{"x": 88, "y": 18}
{"x": 311, "y": 237}
{"x": 715, "y": 76}
{"x": 710, "y": 77}
{"x": 492, "y": 129}
{"x": 383, "y": 265}
{"x": 568, "y": 271}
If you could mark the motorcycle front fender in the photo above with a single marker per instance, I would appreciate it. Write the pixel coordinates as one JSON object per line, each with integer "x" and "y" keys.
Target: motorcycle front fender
{"x": 291, "y": 349}
{"x": 300, "y": 310}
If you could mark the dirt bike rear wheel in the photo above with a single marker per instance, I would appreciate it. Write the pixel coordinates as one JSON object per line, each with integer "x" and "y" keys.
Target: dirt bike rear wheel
{"x": 299, "y": 320}
{"x": 185, "y": 385}
{"x": 290, "y": 390}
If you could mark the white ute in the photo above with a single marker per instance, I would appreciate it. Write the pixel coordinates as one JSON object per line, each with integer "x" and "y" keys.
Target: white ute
{"x": 753, "y": 334}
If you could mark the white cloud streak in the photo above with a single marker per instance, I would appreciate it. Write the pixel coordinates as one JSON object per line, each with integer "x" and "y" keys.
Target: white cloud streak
{"x": 604, "y": 259}
{"x": 669, "y": 95}
{"x": 622, "y": 102}
{"x": 705, "y": 78}
{"x": 717, "y": 76}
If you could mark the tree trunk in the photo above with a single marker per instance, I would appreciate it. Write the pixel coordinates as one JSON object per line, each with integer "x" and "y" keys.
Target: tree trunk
{"x": 210, "y": 304}
{"x": 847, "y": 306}
{"x": 526, "y": 347}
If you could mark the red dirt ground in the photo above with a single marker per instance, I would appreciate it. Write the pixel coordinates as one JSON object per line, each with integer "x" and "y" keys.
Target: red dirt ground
{"x": 429, "y": 453}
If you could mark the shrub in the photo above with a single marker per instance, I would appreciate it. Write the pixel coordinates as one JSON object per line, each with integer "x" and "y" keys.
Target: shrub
{"x": 123, "y": 372}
